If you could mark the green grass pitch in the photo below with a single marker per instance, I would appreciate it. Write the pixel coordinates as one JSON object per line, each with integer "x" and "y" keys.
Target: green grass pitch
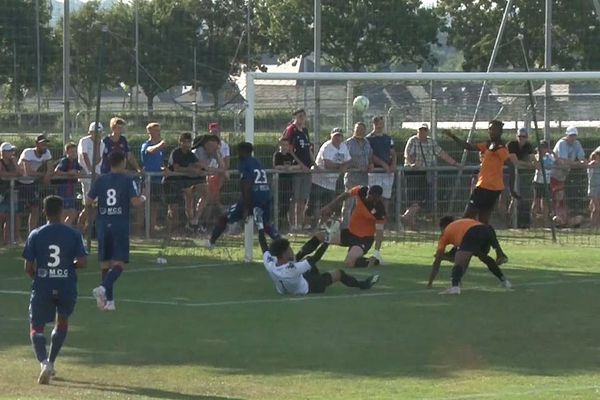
{"x": 204, "y": 327}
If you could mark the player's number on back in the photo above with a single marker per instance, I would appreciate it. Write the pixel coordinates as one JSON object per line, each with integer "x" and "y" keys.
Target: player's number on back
{"x": 54, "y": 256}
{"x": 111, "y": 197}
{"x": 260, "y": 176}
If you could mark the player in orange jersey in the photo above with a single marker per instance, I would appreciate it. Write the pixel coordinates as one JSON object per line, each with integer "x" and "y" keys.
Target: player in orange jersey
{"x": 490, "y": 182}
{"x": 471, "y": 238}
{"x": 365, "y": 227}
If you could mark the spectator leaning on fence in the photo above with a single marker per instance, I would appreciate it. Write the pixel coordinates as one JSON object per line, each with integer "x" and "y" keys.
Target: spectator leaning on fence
{"x": 87, "y": 147}
{"x": 569, "y": 153}
{"x": 361, "y": 156}
{"x": 384, "y": 156}
{"x": 69, "y": 169}
{"x": 593, "y": 190}
{"x": 303, "y": 153}
{"x": 284, "y": 162}
{"x": 206, "y": 149}
{"x": 421, "y": 151}
{"x": 332, "y": 156}
{"x": 522, "y": 148}
{"x": 152, "y": 156}
{"x": 8, "y": 169}
{"x": 215, "y": 182}
{"x": 539, "y": 207}
{"x": 117, "y": 143}
{"x": 34, "y": 162}
{"x": 179, "y": 188}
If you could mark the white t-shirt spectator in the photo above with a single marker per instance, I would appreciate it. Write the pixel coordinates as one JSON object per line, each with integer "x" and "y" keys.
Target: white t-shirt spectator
{"x": 86, "y": 145}
{"x": 336, "y": 155}
{"x": 288, "y": 277}
{"x": 567, "y": 151}
{"x": 224, "y": 149}
{"x": 35, "y": 162}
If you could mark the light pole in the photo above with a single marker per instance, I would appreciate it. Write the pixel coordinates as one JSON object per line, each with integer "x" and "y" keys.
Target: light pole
{"x": 37, "y": 57}
{"x": 317, "y": 62}
{"x": 66, "y": 73}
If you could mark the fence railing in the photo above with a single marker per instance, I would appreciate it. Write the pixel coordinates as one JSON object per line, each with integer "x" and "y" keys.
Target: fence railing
{"x": 419, "y": 197}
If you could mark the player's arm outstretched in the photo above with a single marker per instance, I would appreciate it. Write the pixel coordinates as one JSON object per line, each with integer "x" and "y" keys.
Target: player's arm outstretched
{"x": 435, "y": 267}
{"x": 326, "y": 210}
{"x": 466, "y": 145}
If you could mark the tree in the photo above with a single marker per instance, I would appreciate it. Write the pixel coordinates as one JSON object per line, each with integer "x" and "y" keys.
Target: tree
{"x": 473, "y": 26}
{"x": 220, "y": 27}
{"x": 357, "y": 35}
{"x": 165, "y": 34}
{"x": 86, "y": 33}
{"x": 18, "y": 44}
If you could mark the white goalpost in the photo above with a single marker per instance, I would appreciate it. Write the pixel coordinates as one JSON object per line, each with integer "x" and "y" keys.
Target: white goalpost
{"x": 388, "y": 77}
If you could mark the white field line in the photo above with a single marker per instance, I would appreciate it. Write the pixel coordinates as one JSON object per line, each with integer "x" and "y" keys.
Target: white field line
{"x": 312, "y": 297}
{"x": 520, "y": 394}
{"x": 134, "y": 270}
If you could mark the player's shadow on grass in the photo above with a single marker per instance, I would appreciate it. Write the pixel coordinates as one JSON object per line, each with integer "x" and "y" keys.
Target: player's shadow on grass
{"x": 128, "y": 390}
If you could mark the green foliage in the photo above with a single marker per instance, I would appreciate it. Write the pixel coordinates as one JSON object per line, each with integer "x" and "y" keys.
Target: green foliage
{"x": 474, "y": 25}
{"x": 357, "y": 35}
{"x": 18, "y": 44}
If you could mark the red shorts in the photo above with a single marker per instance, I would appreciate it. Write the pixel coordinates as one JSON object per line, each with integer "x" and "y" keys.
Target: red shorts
{"x": 214, "y": 183}
{"x": 556, "y": 185}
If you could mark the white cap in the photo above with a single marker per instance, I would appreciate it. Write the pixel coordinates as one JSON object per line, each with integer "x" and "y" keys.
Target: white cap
{"x": 423, "y": 126}
{"x": 93, "y": 127}
{"x": 571, "y": 131}
{"x": 7, "y": 146}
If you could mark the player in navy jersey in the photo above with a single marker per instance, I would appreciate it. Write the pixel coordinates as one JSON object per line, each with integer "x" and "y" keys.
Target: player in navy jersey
{"x": 255, "y": 193}
{"x": 52, "y": 254}
{"x": 115, "y": 192}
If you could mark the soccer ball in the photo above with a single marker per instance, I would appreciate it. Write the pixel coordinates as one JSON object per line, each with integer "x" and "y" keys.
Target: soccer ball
{"x": 360, "y": 104}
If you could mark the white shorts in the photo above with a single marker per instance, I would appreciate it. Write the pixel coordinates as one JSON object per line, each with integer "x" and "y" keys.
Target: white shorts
{"x": 385, "y": 180}
{"x": 86, "y": 185}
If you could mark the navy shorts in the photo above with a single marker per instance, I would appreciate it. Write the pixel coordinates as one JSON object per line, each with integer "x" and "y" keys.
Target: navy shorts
{"x": 235, "y": 213}
{"x": 113, "y": 241}
{"x": 44, "y": 305}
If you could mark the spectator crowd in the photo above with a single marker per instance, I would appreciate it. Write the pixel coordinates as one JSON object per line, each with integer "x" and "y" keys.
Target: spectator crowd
{"x": 190, "y": 179}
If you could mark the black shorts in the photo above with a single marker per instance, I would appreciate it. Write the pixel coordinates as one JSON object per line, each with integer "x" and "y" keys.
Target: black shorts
{"x": 538, "y": 190}
{"x": 317, "y": 282}
{"x": 172, "y": 190}
{"x": 478, "y": 239}
{"x": 348, "y": 239}
{"x": 484, "y": 199}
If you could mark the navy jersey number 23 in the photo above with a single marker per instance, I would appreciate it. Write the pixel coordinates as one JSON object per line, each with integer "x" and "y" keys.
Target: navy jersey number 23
{"x": 252, "y": 170}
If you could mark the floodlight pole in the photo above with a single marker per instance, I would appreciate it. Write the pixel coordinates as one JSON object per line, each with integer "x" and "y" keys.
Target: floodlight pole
{"x": 37, "y": 59}
{"x": 66, "y": 73}
{"x": 137, "y": 63}
{"x": 547, "y": 66}
{"x": 249, "y": 137}
{"x": 317, "y": 63}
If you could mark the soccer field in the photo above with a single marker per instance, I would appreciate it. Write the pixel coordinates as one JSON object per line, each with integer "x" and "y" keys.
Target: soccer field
{"x": 201, "y": 327}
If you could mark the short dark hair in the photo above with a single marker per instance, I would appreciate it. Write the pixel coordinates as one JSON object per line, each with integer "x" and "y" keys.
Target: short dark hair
{"x": 53, "y": 206}
{"x": 298, "y": 111}
{"x": 375, "y": 190}
{"x": 245, "y": 148}
{"x": 446, "y": 220}
{"x": 496, "y": 122}
{"x": 377, "y": 118}
{"x": 185, "y": 136}
{"x": 116, "y": 159}
{"x": 279, "y": 247}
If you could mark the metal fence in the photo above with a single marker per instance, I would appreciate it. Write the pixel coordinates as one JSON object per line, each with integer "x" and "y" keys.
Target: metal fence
{"x": 419, "y": 198}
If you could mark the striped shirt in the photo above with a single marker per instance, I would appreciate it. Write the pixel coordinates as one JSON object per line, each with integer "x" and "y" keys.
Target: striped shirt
{"x": 424, "y": 153}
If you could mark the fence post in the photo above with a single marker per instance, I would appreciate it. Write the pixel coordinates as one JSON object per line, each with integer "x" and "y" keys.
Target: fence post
{"x": 275, "y": 194}
{"x": 13, "y": 217}
{"x": 398, "y": 202}
{"x": 148, "y": 193}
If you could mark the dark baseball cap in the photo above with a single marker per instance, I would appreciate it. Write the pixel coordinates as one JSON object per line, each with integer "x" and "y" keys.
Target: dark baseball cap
{"x": 41, "y": 139}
